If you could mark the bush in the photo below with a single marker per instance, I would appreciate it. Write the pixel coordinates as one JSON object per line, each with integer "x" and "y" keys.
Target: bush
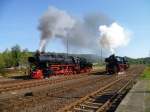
{"x": 146, "y": 73}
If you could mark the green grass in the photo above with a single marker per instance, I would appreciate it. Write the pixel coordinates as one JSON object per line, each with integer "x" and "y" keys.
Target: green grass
{"x": 146, "y": 73}
{"x": 10, "y": 73}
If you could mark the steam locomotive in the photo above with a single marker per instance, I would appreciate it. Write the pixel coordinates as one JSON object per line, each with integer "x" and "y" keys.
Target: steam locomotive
{"x": 44, "y": 65}
{"x": 116, "y": 64}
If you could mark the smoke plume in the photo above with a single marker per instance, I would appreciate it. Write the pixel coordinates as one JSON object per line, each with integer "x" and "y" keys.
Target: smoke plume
{"x": 54, "y": 23}
{"x": 84, "y": 34}
{"x": 80, "y": 34}
{"x": 113, "y": 36}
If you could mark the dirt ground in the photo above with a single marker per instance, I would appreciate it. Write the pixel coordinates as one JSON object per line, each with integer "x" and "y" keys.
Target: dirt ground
{"x": 50, "y": 98}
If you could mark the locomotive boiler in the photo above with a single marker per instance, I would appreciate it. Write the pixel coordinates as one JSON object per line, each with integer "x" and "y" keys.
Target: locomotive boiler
{"x": 44, "y": 65}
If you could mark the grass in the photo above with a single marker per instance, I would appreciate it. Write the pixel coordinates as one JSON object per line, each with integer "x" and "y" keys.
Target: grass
{"x": 146, "y": 73}
{"x": 10, "y": 73}
{"x": 97, "y": 67}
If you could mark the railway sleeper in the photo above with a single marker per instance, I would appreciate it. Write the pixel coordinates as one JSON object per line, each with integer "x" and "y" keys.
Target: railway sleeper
{"x": 114, "y": 98}
{"x": 120, "y": 96}
{"x": 100, "y": 100}
{"x": 103, "y": 98}
{"x": 93, "y": 103}
{"x": 76, "y": 109}
{"x": 89, "y": 106}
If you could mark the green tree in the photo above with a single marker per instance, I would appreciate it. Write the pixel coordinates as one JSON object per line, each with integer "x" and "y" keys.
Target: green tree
{"x": 16, "y": 53}
{"x": 24, "y": 57}
{"x": 2, "y": 62}
{"x": 7, "y": 57}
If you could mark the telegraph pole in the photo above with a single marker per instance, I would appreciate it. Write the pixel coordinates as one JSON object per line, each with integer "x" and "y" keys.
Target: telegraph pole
{"x": 67, "y": 46}
{"x": 101, "y": 56}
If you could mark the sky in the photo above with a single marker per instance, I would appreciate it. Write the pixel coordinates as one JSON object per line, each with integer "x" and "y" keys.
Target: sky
{"x": 19, "y": 20}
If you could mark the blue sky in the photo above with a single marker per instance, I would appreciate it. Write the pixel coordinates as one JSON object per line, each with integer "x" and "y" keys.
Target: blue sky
{"x": 19, "y": 20}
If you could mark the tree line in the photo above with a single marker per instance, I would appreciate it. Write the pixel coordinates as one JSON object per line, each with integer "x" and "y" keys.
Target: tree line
{"x": 144, "y": 61}
{"x": 14, "y": 57}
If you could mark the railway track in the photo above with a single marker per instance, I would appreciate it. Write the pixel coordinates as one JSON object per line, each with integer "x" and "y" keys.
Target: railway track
{"x": 17, "y": 85}
{"x": 103, "y": 99}
{"x": 26, "y": 102}
{"x": 23, "y": 84}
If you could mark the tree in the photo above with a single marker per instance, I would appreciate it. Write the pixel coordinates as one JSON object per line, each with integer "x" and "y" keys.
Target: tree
{"x": 16, "y": 53}
{"x": 2, "y": 62}
{"x": 7, "y": 57}
{"x": 24, "y": 57}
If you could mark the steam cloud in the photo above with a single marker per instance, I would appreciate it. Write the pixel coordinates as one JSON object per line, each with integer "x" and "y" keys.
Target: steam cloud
{"x": 54, "y": 23}
{"x": 84, "y": 35}
{"x": 81, "y": 34}
{"x": 113, "y": 36}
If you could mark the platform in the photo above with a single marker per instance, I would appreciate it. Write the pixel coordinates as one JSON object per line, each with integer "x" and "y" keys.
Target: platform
{"x": 138, "y": 98}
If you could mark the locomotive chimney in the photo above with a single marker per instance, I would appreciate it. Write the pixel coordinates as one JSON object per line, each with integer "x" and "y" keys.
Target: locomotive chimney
{"x": 37, "y": 54}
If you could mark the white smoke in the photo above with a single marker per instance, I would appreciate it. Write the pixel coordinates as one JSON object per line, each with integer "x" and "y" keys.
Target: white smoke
{"x": 113, "y": 36}
{"x": 84, "y": 34}
{"x": 79, "y": 34}
{"x": 54, "y": 23}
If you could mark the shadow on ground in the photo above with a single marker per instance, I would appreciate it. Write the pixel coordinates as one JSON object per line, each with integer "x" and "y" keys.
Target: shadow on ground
{"x": 100, "y": 73}
{"x": 25, "y": 77}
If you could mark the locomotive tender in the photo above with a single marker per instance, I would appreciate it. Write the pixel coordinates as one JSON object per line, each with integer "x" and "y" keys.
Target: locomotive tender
{"x": 44, "y": 65}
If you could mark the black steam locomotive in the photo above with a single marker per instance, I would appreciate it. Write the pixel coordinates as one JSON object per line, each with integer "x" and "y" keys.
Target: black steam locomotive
{"x": 45, "y": 65}
{"x": 116, "y": 64}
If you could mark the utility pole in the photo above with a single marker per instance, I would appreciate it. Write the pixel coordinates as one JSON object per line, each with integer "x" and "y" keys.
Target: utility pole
{"x": 67, "y": 46}
{"x": 101, "y": 56}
